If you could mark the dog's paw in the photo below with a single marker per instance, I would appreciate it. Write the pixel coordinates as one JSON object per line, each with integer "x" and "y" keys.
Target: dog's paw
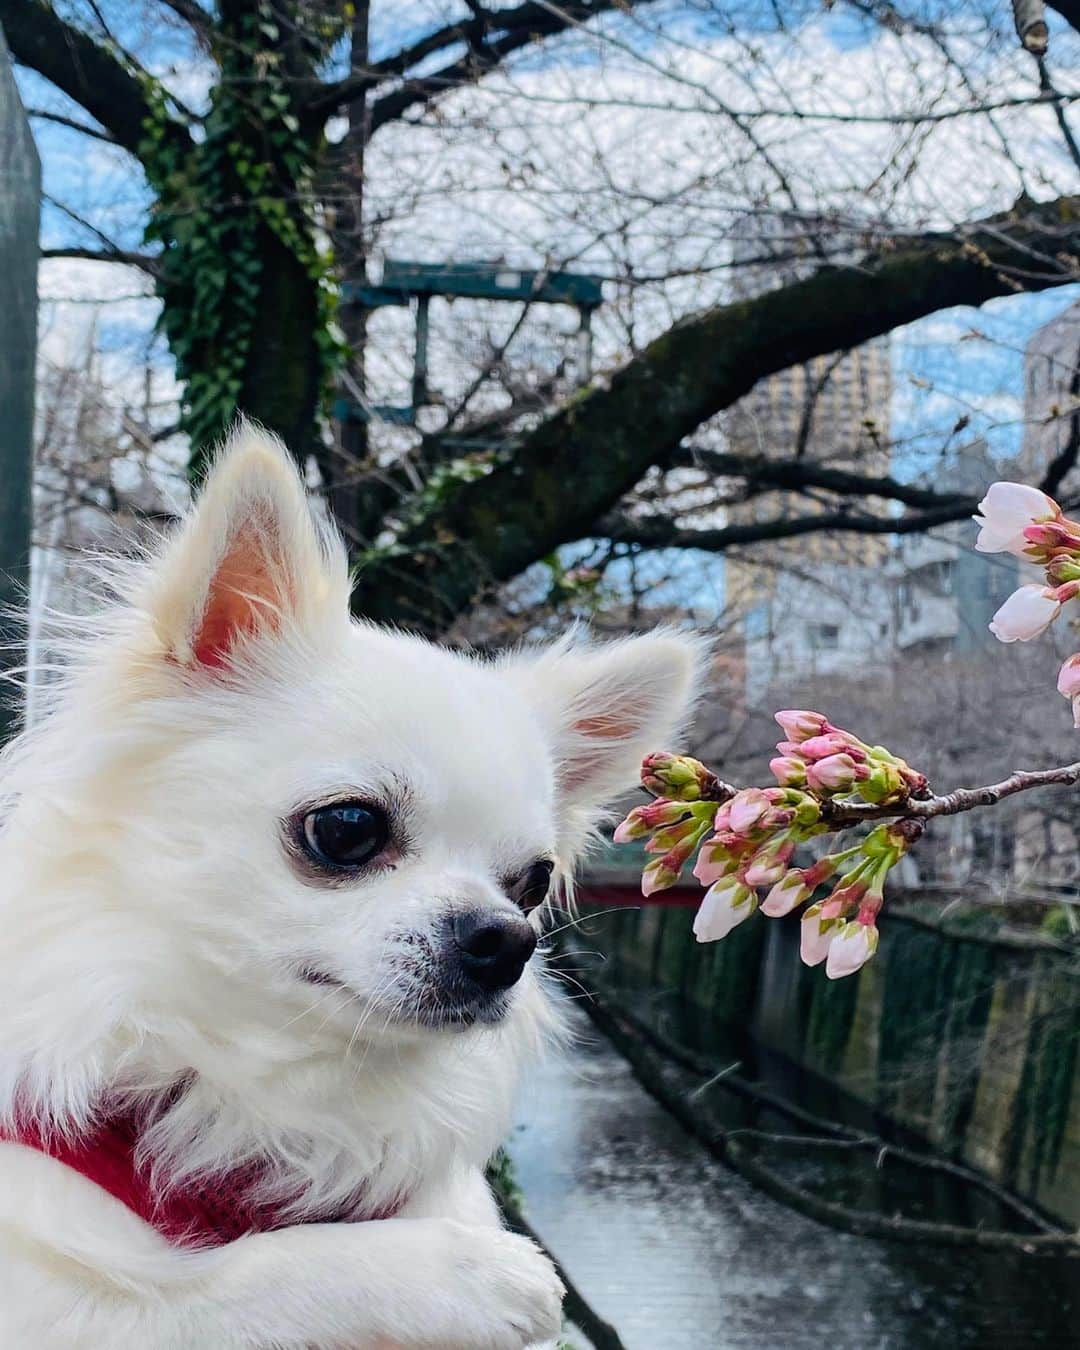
{"x": 502, "y": 1292}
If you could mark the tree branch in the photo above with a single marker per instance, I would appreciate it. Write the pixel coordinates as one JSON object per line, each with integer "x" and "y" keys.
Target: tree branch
{"x": 109, "y": 251}
{"x": 573, "y": 468}
{"x": 73, "y": 123}
{"x": 1069, "y": 11}
{"x": 654, "y": 532}
{"x": 760, "y": 471}
{"x": 193, "y": 14}
{"x": 520, "y": 25}
{"x": 108, "y": 255}
{"x": 839, "y": 814}
{"x": 83, "y": 69}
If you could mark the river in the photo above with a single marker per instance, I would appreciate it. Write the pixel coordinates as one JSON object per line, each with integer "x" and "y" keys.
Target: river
{"x": 680, "y": 1253}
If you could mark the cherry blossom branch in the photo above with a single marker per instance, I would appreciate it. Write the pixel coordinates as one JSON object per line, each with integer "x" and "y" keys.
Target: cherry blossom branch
{"x": 841, "y": 814}
{"x": 829, "y": 780}
{"x": 959, "y": 800}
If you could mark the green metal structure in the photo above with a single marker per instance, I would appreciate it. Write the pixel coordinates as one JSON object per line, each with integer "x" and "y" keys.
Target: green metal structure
{"x": 415, "y": 284}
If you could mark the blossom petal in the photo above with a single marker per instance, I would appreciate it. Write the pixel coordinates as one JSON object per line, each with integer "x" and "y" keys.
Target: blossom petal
{"x": 786, "y": 895}
{"x": 813, "y": 943}
{"x": 851, "y": 948}
{"x": 1005, "y": 512}
{"x": 1026, "y": 613}
{"x": 724, "y": 907}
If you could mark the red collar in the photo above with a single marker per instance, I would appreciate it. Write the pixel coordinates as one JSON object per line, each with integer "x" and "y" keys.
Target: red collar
{"x": 205, "y": 1214}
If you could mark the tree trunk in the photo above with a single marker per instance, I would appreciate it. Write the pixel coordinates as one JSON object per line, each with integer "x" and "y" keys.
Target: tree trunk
{"x": 282, "y": 377}
{"x": 342, "y": 468}
{"x": 244, "y": 309}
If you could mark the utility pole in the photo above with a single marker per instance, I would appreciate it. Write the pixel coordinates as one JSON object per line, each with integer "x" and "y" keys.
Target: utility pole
{"x": 20, "y": 199}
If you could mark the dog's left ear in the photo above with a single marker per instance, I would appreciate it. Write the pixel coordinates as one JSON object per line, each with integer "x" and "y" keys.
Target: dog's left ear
{"x": 608, "y": 705}
{"x": 249, "y": 562}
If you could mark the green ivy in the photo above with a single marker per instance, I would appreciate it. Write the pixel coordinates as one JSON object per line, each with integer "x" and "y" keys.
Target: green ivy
{"x": 251, "y": 172}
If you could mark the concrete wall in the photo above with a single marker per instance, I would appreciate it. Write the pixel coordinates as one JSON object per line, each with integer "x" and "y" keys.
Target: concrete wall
{"x": 969, "y": 1040}
{"x": 20, "y": 192}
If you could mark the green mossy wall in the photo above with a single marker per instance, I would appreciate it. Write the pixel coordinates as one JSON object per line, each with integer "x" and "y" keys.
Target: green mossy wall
{"x": 967, "y": 1040}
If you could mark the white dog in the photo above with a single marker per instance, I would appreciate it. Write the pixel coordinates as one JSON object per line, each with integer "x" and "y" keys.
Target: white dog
{"x": 268, "y": 882}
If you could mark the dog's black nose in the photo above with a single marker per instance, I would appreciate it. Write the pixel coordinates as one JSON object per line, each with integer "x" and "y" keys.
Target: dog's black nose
{"x": 493, "y": 947}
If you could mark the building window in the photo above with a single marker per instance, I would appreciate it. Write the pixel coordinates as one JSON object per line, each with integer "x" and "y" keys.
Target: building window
{"x": 824, "y": 636}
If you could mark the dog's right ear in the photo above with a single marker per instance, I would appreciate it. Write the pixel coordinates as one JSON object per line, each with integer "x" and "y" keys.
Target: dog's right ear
{"x": 249, "y": 562}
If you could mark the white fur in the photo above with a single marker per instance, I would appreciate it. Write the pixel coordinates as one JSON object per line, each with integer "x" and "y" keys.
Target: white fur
{"x": 154, "y": 931}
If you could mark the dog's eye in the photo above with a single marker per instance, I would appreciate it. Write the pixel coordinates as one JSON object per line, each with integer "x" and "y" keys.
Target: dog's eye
{"x": 347, "y": 834}
{"x": 531, "y": 887}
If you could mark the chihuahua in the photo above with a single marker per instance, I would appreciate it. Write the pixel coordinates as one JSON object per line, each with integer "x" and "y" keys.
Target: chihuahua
{"x": 271, "y": 886}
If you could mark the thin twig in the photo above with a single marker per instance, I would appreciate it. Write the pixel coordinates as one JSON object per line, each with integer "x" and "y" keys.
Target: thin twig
{"x": 839, "y": 814}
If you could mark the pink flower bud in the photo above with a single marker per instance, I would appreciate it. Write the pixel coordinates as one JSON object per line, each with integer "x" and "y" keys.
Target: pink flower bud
{"x": 834, "y": 773}
{"x": 1006, "y": 511}
{"x": 1069, "y": 590}
{"x": 1050, "y": 539}
{"x": 847, "y": 897}
{"x": 788, "y": 893}
{"x": 777, "y": 818}
{"x": 788, "y": 771}
{"x": 662, "y": 873}
{"x": 642, "y": 820}
{"x": 678, "y": 777}
{"x": 720, "y": 855}
{"x": 713, "y": 864}
{"x": 816, "y": 935}
{"x": 725, "y": 906}
{"x": 836, "y": 743}
{"x": 769, "y": 865}
{"x": 799, "y": 725}
{"x": 1068, "y": 684}
{"x": 1025, "y": 614}
{"x": 747, "y": 809}
{"x": 852, "y": 946}
{"x": 1062, "y": 569}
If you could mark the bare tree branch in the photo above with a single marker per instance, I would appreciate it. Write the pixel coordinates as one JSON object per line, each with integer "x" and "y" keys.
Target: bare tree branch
{"x": 107, "y": 255}
{"x": 73, "y": 123}
{"x": 518, "y": 26}
{"x": 83, "y": 69}
{"x": 653, "y": 532}
{"x": 798, "y": 475}
{"x": 574, "y": 467}
{"x": 193, "y": 14}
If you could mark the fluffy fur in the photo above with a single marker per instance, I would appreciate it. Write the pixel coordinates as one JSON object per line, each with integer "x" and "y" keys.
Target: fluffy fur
{"x": 158, "y": 935}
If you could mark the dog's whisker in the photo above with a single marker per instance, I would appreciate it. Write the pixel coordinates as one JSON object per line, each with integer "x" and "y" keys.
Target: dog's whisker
{"x": 575, "y": 920}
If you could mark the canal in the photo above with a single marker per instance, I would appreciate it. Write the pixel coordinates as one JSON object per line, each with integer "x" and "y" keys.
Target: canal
{"x": 680, "y": 1253}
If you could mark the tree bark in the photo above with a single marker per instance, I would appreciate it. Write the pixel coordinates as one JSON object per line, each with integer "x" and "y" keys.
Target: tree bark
{"x": 562, "y": 477}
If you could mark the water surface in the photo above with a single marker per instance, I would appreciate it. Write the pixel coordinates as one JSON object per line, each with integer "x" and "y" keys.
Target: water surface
{"x": 680, "y": 1253}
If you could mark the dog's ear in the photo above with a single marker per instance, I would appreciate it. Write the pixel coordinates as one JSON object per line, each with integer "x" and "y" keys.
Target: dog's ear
{"x": 249, "y": 561}
{"x": 608, "y": 705}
